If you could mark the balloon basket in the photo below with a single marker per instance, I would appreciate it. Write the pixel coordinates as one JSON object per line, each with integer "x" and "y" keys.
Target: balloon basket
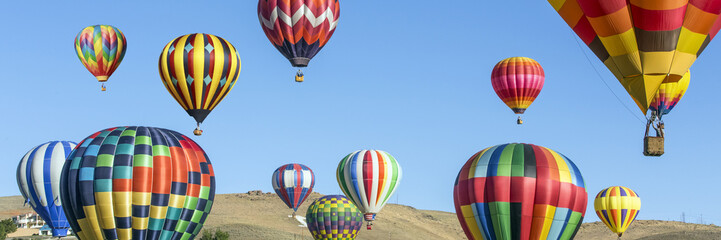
{"x": 519, "y": 121}
{"x": 653, "y": 146}
{"x": 197, "y": 132}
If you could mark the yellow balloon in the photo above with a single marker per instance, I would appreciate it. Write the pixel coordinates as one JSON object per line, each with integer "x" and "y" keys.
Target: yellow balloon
{"x": 617, "y": 207}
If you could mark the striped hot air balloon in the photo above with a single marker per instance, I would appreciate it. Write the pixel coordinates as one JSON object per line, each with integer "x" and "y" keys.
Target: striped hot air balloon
{"x": 101, "y": 48}
{"x": 199, "y": 70}
{"x": 519, "y": 191}
{"x": 293, "y": 183}
{"x": 369, "y": 178}
{"x": 617, "y": 207}
{"x": 668, "y": 95}
{"x": 38, "y": 177}
{"x": 137, "y": 183}
{"x": 299, "y": 29}
{"x": 518, "y": 81}
{"x": 333, "y": 217}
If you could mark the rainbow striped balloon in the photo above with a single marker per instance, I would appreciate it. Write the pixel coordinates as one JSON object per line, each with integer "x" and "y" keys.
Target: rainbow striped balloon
{"x": 293, "y": 183}
{"x": 137, "y": 183}
{"x": 333, "y": 217}
{"x": 518, "y": 81}
{"x": 669, "y": 94}
{"x": 519, "y": 191}
{"x": 101, "y": 48}
{"x": 617, "y": 207}
{"x": 369, "y": 178}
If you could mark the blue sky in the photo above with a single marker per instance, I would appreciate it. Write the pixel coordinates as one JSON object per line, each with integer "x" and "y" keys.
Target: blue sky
{"x": 410, "y": 79}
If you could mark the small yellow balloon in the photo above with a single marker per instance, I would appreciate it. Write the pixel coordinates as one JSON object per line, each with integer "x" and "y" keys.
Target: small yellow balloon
{"x": 617, "y": 207}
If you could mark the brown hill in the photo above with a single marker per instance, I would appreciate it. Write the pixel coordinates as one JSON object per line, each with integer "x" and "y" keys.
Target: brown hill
{"x": 257, "y": 215}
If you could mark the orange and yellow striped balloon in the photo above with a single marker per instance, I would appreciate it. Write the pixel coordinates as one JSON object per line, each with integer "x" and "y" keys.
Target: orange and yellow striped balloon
{"x": 199, "y": 70}
{"x": 617, "y": 207}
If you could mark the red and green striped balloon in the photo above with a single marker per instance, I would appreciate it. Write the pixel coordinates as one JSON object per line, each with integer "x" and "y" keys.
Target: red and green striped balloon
{"x": 137, "y": 183}
{"x": 519, "y": 191}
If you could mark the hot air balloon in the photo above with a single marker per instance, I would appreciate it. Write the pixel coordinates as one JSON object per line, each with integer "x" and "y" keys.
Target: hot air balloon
{"x": 299, "y": 29}
{"x": 369, "y": 178}
{"x": 643, "y": 43}
{"x": 38, "y": 178}
{"x": 137, "y": 183}
{"x": 333, "y": 217}
{"x": 617, "y": 207}
{"x": 293, "y": 183}
{"x": 198, "y": 70}
{"x": 668, "y": 96}
{"x": 519, "y": 191}
{"x": 518, "y": 81}
{"x": 101, "y": 48}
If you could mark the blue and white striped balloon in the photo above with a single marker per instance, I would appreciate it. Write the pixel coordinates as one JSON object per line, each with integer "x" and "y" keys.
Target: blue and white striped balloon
{"x": 38, "y": 178}
{"x": 293, "y": 183}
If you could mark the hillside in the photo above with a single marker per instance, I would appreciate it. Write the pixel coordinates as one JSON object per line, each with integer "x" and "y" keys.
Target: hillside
{"x": 257, "y": 215}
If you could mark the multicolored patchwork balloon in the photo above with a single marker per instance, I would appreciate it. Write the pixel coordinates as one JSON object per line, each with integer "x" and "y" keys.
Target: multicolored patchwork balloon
{"x": 293, "y": 183}
{"x": 668, "y": 95}
{"x": 101, "y": 48}
{"x": 333, "y": 217}
{"x": 38, "y": 177}
{"x": 369, "y": 178}
{"x": 518, "y": 81}
{"x": 643, "y": 43}
{"x": 519, "y": 191}
{"x": 199, "y": 70}
{"x": 137, "y": 183}
{"x": 617, "y": 207}
{"x": 299, "y": 29}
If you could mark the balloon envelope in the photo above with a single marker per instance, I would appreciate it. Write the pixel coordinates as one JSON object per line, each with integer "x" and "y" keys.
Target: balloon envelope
{"x": 199, "y": 70}
{"x": 617, "y": 207}
{"x": 101, "y": 48}
{"x": 38, "y": 177}
{"x": 333, "y": 217}
{"x": 519, "y": 191}
{"x": 137, "y": 183}
{"x": 299, "y": 29}
{"x": 293, "y": 183}
{"x": 369, "y": 178}
{"x": 643, "y": 43}
{"x": 669, "y": 94}
{"x": 518, "y": 81}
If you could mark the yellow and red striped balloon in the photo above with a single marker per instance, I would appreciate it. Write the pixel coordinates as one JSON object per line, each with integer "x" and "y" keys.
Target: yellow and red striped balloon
{"x": 617, "y": 207}
{"x": 518, "y": 81}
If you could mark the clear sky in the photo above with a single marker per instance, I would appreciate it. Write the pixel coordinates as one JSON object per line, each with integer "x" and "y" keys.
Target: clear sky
{"x": 410, "y": 79}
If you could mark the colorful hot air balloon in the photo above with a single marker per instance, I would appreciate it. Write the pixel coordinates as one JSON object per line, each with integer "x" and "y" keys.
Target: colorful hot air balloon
{"x": 617, "y": 207}
{"x": 333, "y": 217}
{"x": 643, "y": 43}
{"x": 38, "y": 178}
{"x": 299, "y": 29}
{"x": 518, "y": 81}
{"x": 668, "y": 95}
{"x": 198, "y": 70}
{"x": 369, "y": 178}
{"x": 293, "y": 183}
{"x": 101, "y": 48}
{"x": 137, "y": 183}
{"x": 519, "y": 191}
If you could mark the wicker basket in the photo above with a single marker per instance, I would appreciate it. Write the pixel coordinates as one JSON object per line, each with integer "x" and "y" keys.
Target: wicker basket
{"x": 653, "y": 146}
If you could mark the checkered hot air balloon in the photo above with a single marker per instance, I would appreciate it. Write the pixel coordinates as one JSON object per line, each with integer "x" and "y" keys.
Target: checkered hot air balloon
{"x": 643, "y": 43}
{"x": 369, "y": 178}
{"x": 617, "y": 207}
{"x": 333, "y": 217}
{"x": 518, "y": 81}
{"x": 137, "y": 183}
{"x": 101, "y": 48}
{"x": 199, "y": 70}
{"x": 38, "y": 177}
{"x": 519, "y": 191}
{"x": 293, "y": 183}
{"x": 668, "y": 95}
{"x": 299, "y": 29}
